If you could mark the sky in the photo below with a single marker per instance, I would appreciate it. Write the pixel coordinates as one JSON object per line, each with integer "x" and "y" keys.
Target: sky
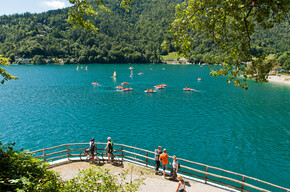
{"x": 9, "y": 7}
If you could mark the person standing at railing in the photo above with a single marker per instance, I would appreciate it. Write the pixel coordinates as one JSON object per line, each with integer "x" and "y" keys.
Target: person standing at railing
{"x": 157, "y": 152}
{"x": 110, "y": 149}
{"x": 92, "y": 148}
{"x": 164, "y": 160}
{"x": 175, "y": 166}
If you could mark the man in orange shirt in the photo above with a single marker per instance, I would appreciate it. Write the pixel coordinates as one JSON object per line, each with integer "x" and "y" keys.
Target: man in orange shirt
{"x": 164, "y": 160}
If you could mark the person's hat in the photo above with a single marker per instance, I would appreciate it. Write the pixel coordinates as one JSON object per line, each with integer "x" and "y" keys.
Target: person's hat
{"x": 179, "y": 178}
{"x": 109, "y": 139}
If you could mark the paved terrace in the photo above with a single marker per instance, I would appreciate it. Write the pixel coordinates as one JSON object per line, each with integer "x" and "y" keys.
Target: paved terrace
{"x": 70, "y": 169}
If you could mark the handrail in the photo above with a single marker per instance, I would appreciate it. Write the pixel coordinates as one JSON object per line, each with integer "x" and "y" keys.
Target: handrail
{"x": 137, "y": 156}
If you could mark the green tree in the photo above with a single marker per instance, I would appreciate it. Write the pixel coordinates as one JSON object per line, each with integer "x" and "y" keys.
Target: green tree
{"x": 230, "y": 24}
{"x": 258, "y": 67}
{"x": 19, "y": 171}
{"x": 6, "y": 76}
{"x": 284, "y": 57}
{"x": 286, "y": 64}
{"x": 38, "y": 59}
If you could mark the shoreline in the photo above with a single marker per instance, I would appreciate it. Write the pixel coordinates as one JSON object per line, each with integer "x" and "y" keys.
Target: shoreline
{"x": 282, "y": 79}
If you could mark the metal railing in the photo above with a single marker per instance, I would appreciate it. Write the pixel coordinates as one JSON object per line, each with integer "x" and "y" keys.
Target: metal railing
{"x": 189, "y": 168}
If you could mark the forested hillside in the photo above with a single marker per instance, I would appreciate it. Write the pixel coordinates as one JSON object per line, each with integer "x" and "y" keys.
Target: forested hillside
{"x": 123, "y": 37}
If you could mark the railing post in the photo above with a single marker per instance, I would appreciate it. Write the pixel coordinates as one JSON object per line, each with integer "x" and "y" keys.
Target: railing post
{"x": 146, "y": 159}
{"x": 67, "y": 148}
{"x": 43, "y": 155}
{"x": 122, "y": 153}
{"x": 242, "y": 188}
{"x": 205, "y": 179}
{"x": 96, "y": 149}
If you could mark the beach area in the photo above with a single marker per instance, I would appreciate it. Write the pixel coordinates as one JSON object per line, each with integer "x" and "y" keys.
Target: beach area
{"x": 152, "y": 182}
{"x": 281, "y": 79}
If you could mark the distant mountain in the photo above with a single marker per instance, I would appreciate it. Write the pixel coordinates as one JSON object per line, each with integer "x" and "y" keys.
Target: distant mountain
{"x": 123, "y": 37}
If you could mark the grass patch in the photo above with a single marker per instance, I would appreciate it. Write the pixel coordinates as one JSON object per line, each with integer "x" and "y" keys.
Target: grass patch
{"x": 287, "y": 74}
{"x": 172, "y": 55}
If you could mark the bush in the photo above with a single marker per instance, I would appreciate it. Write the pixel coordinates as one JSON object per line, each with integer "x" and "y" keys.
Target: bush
{"x": 19, "y": 171}
{"x": 101, "y": 180}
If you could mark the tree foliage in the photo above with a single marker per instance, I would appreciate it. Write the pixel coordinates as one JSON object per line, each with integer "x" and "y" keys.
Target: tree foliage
{"x": 6, "y": 76}
{"x": 19, "y": 171}
{"x": 230, "y": 25}
{"x": 123, "y": 37}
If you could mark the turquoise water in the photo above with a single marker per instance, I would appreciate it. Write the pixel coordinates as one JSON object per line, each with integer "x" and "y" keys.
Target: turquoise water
{"x": 219, "y": 125}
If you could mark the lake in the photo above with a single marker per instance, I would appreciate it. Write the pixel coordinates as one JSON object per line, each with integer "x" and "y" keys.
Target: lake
{"x": 219, "y": 125}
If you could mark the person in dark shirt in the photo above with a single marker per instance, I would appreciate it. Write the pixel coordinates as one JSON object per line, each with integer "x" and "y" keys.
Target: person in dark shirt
{"x": 92, "y": 148}
{"x": 109, "y": 147}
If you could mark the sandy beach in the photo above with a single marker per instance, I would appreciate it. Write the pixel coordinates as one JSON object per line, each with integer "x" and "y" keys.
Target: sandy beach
{"x": 152, "y": 182}
{"x": 282, "y": 79}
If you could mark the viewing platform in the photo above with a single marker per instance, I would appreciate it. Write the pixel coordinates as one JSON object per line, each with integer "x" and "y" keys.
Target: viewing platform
{"x": 66, "y": 160}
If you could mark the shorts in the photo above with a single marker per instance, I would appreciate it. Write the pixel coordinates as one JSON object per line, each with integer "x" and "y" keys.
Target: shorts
{"x": 110, "y": 151}
{"x": 164, "y": 167}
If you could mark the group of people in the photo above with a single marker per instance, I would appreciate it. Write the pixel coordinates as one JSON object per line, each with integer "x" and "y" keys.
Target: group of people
{"x": 163, "y": 158}
{"x": 109, "y": 148}
{"x": 159, "y": 158}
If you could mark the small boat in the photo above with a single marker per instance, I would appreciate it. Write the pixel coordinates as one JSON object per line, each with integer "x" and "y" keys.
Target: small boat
{"x": 164, "y": 85}
{"x": 114, "y": 74}
{"x": 188, "y": 89}
{"x": 124, "y": 83}
{"x": 119, "y": 87}
{"x": 163, "y": 69}
{"x": 199, "y": 79}
{"x": 95, "y": 83}
{"x": 159, "y": 86}
{"x": 150, "y": 91}
{"x": 127, "y": 89}
{"x": 140, "y": 73}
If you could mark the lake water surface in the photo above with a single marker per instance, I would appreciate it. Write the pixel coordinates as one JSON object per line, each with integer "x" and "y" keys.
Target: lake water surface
{"x": 219, "y": 125}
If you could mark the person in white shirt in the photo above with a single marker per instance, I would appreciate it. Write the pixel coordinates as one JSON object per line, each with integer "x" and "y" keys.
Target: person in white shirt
{"x": 157, "y": 152}
{"x": 181, "y": 184}
{"x": 174, "y": 169}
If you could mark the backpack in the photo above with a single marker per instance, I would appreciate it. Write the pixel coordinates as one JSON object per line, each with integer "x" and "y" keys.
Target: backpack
{"x": 178, "y": 165}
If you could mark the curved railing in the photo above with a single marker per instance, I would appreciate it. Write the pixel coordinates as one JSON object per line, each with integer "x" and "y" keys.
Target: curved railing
{"x": 189, "y": 168}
